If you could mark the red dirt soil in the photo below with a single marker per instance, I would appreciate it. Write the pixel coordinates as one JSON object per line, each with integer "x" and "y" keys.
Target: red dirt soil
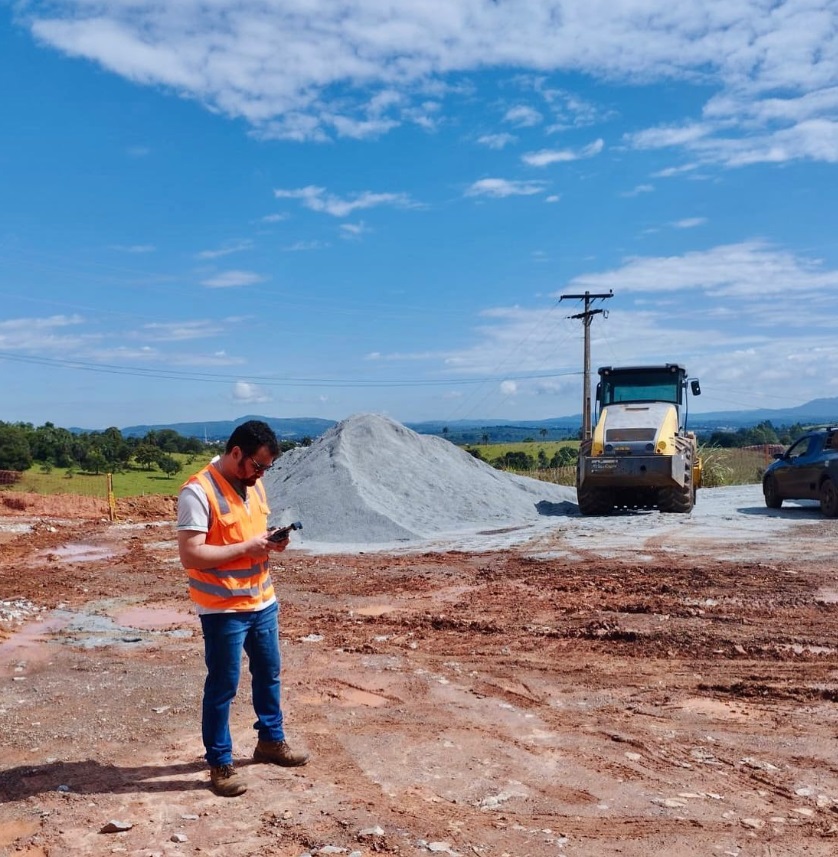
{"x": 456, "y": 703}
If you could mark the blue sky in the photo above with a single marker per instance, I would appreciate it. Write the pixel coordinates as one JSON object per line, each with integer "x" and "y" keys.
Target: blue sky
{"x": 211, "y": 209}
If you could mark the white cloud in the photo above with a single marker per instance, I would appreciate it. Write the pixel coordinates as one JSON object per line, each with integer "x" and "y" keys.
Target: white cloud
{"x": 503, "y": 187}
{"x": 314, "y": 70}
{"x": 316, "y": 199}
{"x": 304, "y": 246}
{"x": 641, "y": 188}
{"x": 243, "y": 392}
{"x": 232, "y": 279}
{"x": 275, "y": 218}
{"x": 509, "y": 388}
{"x": 226, "y": 250}
{"x": 750, "y": 270}
{"x": 689, "y": 222}
{"x": 354, "y": 230}
{"x": 41, "y": 334}
{"x": 545, "y": 157}
{"x": 175, "y": 331}
{"x": 496, "y": 141}
{"x": 134, "y": 248}
{"x": 523, "y": 117}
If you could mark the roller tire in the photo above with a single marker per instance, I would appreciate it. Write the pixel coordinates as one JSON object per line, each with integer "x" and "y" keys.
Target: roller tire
{"x": 680, "y": 499}
{"x": 676, "y": 500}
{"x": 594, "y": 501}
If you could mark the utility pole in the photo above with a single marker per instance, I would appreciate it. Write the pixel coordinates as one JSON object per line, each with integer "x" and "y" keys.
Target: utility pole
{"x": 587, "y": 317}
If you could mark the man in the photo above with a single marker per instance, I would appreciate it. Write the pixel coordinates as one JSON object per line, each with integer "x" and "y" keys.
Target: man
{"x": 223, "y": 543}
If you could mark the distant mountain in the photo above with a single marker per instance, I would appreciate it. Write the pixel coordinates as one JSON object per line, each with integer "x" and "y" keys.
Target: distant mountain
{"x": 816, "y": 412}
{"x": 294, "y": 428}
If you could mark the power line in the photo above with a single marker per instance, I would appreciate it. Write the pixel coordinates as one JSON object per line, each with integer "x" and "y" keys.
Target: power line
{"x": 210, "y": 377}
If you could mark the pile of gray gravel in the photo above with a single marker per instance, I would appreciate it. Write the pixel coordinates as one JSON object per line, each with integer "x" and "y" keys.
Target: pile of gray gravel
{"x": 371, "y": 480}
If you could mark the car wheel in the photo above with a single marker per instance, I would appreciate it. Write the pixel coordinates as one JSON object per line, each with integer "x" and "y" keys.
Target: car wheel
{"x": 772, "y": 493}
{"x": 829, "y": 498}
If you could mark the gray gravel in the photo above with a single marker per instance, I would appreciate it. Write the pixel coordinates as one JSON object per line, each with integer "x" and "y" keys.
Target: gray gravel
{"x": 370, "y": 484}
{"x": 371, "y": 480}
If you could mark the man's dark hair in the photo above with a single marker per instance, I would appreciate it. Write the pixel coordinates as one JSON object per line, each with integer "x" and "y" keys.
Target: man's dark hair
{"x": 251, "y": 436}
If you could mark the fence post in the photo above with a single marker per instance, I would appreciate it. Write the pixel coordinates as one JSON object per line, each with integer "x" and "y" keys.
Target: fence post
{"x": 111, "y": 500}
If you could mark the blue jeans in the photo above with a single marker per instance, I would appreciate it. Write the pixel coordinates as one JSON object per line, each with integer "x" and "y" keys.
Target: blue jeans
{"x": 226, "y": 635}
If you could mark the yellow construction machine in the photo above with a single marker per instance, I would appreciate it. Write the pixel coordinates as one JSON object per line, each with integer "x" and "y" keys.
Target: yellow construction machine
{"x": 640, "y": 454}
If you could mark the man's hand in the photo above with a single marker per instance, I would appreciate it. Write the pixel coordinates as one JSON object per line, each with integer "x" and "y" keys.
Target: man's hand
{"x": 196, "y": 553}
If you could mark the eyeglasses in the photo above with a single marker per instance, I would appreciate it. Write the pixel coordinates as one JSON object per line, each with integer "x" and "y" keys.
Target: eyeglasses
{"x": 258, "y": 466}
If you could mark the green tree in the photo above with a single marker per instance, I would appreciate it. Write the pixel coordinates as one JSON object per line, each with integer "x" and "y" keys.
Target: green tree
{"x": 52, "y": 445}
{"x": 169, "y": 440}
{"x": 169, "y": 465}
{"x": 95, "y": 460}
{"x": 114, "y": 449}
{"x": 146, "y": 455}
{"x": 515, "y": 461}
{"x": 15, "y": 453}
{"x": 566, "y": 456}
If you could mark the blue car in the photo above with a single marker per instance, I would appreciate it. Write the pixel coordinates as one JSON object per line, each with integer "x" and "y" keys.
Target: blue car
{"x": 807, "y": 470}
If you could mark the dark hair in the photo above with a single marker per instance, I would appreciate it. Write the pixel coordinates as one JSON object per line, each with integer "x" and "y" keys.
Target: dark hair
{"x": 251, "y": 436}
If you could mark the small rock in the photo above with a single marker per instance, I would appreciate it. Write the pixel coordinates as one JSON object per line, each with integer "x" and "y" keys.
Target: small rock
{"x": 116, "y": 827}
{"x": 63, "y": 788}
{"x": 669, "y": 802}
{"x": 179, "y": 837}
{"x": 312, "y": 638}
{"x": 371, "y": 831}
{"x": 754, "y": 823}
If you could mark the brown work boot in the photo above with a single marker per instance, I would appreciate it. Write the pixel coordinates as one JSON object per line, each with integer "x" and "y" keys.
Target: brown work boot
{"x": 279, "y": 753}
{"x": 226, "y": 782}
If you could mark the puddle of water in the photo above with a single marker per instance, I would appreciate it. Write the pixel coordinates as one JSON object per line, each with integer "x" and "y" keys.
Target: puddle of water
{"x": 80, "y": 552}
{"x": 149, "y": 618}
{"x": 376, "y": 610}
{"x": 799, "y": 649}
{"x": 29, "y": 642}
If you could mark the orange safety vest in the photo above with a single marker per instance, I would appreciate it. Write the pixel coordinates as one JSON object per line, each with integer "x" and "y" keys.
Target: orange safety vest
{"x": 244, "y": 583}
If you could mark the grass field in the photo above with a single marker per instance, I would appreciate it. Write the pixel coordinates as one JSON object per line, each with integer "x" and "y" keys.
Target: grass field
{"x": 492, "y": 451}
{"x": 135, "y": 482}
{"x": 721, "y": 467}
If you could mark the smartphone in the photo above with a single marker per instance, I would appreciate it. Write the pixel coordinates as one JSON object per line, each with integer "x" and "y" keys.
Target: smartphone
{"x": 283, "y": 532}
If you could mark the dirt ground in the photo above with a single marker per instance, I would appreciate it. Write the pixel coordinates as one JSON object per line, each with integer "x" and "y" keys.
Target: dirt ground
{"x": 574, "y": 695}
